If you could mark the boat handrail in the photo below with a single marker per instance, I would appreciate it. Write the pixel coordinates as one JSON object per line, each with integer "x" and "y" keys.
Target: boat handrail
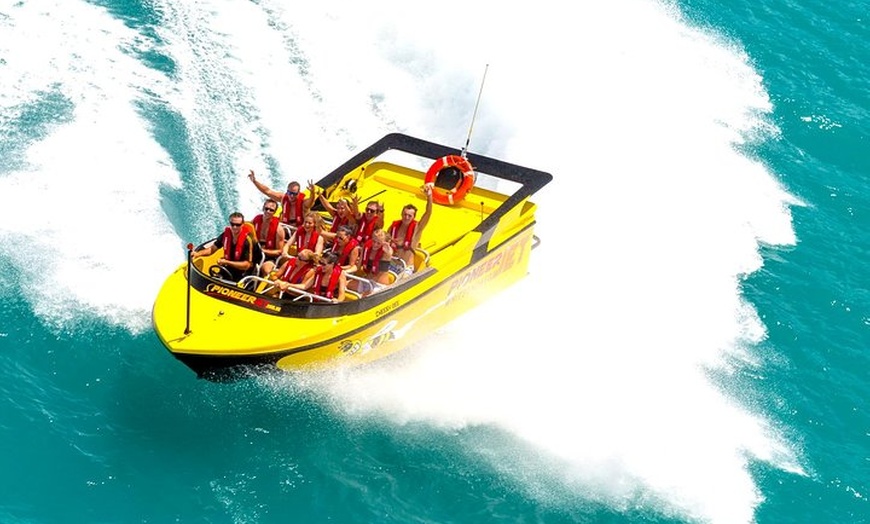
{"x": 397, "y": 266}
{"x": 260, "y": 280}
{"x": 300, "y": 294}
{"x": 367, "y": 286}
{"x": 305, "y": 294}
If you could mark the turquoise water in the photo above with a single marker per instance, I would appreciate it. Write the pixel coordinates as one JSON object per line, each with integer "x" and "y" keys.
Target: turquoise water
{"x": 708, "y": 219}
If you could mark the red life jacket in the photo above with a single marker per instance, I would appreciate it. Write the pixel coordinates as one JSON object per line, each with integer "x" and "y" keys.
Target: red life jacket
{"x": 296, "y": 217}
{"x": 337, "y": 222}
{"x": 370, "y": 263}
{"x": 344, "y": 256}
{"x": 300, "y": 240}
{"x": 293, "y": 274}
{"x": 365, "y": 228}
{"x": 409, "y": 234}
{"x": 334, "y": 278}
{"x": 270, "y": 236}
{"x": 233, "y": 251}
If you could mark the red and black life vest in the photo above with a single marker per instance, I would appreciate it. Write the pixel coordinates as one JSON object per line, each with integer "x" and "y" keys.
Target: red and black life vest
{"x": 334, "y": 278}
{"x": 344, "y": 256}
{"x": 312, "y": 240}
{"x": 409, "y": 234}
{"x": 364, "y": 228}
{"x": 294, "y": 218}
{"x": 294, "y": 274}
{"x": 337, "y": 222}
{"x": 233, "y": 250}
{"x": 371, "y": 258}
{"x": 270, "y": 236}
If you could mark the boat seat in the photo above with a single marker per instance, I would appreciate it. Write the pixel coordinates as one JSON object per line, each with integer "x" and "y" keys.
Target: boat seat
{"x": 421, "y": 259}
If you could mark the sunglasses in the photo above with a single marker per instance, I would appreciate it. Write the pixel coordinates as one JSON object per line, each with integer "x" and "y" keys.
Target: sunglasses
{"x": 235, "y": 225}
{"x": 270, "y": 209}
{"x": 292, "y": 193}
{"x": 371, "y": 210}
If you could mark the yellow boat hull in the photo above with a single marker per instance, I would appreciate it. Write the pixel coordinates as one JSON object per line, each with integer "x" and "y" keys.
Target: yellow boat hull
{"x": 222, "y": 331}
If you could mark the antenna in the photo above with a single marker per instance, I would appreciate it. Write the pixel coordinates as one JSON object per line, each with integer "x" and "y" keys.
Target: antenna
{"x": 474, "y": 116}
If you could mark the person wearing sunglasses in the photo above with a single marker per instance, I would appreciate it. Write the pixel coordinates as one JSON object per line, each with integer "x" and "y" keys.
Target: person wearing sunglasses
{"x": 405, "y": 233}
{"x": 327, "y": 279}
{"x": 294, "y": 205}
{"x": 341, "y": 212}
{"x": 294, "y": 270}
{"x": 237, "y": 241}
{"x": 369, "y": 221}
{"x": 270, "y": 235}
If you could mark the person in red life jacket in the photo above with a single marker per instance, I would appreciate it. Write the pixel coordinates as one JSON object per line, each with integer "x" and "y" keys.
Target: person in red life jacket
{"x": 405, "y": 233}
{"x": 326, "y": 280}
{"x": 368, "y": 222}
{"x": 238, "y": 246}
{"x": 342, "y": 215}
{"x": 270, "y": 235}
{"x": 347, "y": 249}
{"x": 294, "y": 270}
{"x": 294, "y": 205}
{"x": 309, "y": 236}
{"x": 375, "y": 258}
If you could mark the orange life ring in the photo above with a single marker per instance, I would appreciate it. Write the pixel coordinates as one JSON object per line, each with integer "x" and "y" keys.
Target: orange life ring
{"x": 451, "y": 196}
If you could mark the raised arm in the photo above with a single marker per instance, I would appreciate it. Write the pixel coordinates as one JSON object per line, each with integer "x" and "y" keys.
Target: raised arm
{"x": 263, "y": 188}
{"x": 322, "y": 199}
{"x": 421, "y": 224}
{"x": 355, "y": 207}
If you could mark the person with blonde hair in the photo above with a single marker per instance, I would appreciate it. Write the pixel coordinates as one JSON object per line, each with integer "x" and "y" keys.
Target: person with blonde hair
{"x": 308, "y": 236}
{"x": 376, "y": 257}
{"x": 326, "y": 279}
{"x": 341, "y": 212}
{"x": 293, "y": 271}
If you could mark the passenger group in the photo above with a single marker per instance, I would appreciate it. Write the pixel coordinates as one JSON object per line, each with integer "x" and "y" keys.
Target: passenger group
{"x": 301, "y": 252}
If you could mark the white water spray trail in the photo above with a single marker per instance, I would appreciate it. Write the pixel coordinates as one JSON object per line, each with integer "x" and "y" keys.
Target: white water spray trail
{"x": 88, "y": 169}
{"x": 651, "y": 221}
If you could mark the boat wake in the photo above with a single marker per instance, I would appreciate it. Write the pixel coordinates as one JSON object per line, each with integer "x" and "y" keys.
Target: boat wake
{"x": 618, "y": 375}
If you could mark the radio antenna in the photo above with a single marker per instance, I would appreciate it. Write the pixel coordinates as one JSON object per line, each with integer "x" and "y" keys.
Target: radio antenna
{"x": 474, "y": 116}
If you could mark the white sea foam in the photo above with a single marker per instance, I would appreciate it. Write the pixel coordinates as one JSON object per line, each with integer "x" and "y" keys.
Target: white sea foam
{"x": 85, "y": 205}
{"x": 651, "y": 221}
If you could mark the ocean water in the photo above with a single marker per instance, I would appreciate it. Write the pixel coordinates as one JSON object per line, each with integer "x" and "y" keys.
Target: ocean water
{"x": 690, "y": 345}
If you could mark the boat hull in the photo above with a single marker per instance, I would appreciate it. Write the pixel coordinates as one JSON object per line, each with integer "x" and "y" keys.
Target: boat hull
{"x": 219, "y": 347}
{"x": 472, "y": 248}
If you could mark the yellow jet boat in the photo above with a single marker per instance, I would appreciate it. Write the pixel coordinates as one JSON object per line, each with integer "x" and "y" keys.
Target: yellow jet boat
{"x": 477, "y": 242}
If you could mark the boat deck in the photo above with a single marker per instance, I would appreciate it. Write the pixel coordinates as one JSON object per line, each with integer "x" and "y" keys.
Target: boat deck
{"x": 396, "y": 186}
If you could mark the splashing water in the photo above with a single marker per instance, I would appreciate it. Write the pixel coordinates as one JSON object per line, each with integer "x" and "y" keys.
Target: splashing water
{"x": 655, "y": 214}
